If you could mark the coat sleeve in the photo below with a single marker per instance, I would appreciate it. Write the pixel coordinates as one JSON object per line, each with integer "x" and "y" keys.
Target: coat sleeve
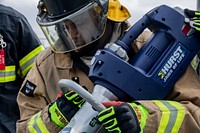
{"x": 33, "y": 104}
{"x": 179, "y": 112}
{"x": 28, "y": 46}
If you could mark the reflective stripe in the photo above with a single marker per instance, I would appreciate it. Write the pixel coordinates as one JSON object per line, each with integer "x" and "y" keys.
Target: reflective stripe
{"x": 32, "y": 126}
{"x": 27, "y": 62}
{"x": 180, "y": 116}
{"x": 172, "y": 117}
{"x": 8, "y": 74}
{"x": 197, "y": 13}
{"x": 36, "y": 124}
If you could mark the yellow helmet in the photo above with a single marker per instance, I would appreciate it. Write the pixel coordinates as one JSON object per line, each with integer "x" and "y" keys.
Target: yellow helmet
{"x": 117, "y": 12}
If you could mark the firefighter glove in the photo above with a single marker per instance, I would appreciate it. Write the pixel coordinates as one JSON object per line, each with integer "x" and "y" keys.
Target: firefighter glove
{"x": 120, "y": 119}
{"x": 65, "y": 107}
{"x": 194, "y": 17}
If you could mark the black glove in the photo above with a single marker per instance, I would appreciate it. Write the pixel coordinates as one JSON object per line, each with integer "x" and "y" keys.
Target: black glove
{"x": 65, "y": 107}
{"x": 193, "y": 16}
{"x": 120, "y": 119}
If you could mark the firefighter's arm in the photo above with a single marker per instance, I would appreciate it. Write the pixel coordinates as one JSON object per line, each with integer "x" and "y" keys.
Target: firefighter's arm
{"x": 34, "y": 104}
{"x": 37, "y": 113}
{"x": 179, "y": 113}
{"x": 28, "y": 48}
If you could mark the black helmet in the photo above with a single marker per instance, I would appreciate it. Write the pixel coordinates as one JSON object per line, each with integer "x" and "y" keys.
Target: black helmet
{"x": 72, "y": 24}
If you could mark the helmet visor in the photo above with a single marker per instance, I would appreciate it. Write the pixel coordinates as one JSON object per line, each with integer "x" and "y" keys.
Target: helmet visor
{"x": 76, "y": 30}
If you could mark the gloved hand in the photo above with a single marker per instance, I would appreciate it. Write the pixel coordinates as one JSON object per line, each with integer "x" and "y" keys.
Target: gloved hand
{"x": 193, "y": 16}
{"x": 65, "y": 107}
{"x": 120, "y": 118}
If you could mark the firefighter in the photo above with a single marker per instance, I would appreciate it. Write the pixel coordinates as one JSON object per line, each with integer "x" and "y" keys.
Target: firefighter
{"x": 75, "y": 30}
{"x": 19, "y": 46}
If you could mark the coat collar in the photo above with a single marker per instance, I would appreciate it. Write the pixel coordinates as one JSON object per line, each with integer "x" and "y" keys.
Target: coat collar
{"x": 63, "y": 60}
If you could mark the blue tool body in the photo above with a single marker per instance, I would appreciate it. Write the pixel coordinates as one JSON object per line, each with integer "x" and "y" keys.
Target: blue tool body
{"x": 153, "y": 71}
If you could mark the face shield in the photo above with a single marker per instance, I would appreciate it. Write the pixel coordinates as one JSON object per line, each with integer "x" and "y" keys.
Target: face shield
{"x": 76, "y": 30}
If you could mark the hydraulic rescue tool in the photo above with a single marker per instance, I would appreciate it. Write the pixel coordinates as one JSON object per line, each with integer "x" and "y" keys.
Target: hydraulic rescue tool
{"x": 150, "y": 74}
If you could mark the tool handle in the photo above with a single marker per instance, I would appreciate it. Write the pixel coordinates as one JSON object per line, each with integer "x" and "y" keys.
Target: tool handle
{"x": 66, "y": 83}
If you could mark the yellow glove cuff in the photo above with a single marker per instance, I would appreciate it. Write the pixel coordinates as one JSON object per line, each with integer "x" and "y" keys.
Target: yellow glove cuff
{"x": 141, "y": 112}
{"x": 56, "y": 116}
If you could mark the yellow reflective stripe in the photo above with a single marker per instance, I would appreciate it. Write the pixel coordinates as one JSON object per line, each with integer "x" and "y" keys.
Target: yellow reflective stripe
{"x": 197, "y": 13}
{"x": 164, "y": 118}
{"x": 8, "y": 69}
{"x": 180, "y": 116}
{"x": 36, "y": 124}
{"x": 41, "y": 125}
{"x": 31, "y": 55}
{"x": 7, "y": 79}
{"x": 25, "y": 71}
{"x": 170, "y": 119}
{"x": 30, "y": 124}
{"x": 8, "y": 74}
{"x": 27, "y": 62}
